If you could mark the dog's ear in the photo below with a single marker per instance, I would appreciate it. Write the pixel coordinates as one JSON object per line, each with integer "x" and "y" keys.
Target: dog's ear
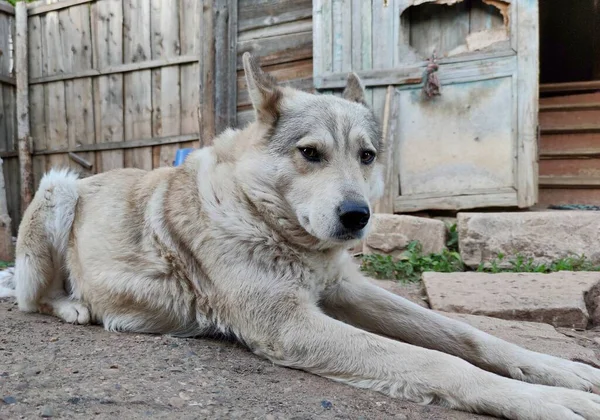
{"x": 264, "y": 92}
{"x": 354, "y": 90}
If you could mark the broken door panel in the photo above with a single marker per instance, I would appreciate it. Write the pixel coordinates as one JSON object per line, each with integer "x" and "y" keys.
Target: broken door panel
{"x": 474, "y": 145}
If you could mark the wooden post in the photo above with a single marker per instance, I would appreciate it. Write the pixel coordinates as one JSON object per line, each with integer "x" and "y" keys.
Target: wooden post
{"x": 218, "y": 64}
{"x": 23, "y": 135}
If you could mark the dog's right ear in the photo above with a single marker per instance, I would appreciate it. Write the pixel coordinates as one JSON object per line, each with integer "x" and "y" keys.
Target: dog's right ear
{"x": 264, "y": 92}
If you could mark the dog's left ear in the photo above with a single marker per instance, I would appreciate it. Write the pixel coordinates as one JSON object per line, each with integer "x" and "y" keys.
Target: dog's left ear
{"x": 264, "y": 92}
{"x": 354, "y": 90}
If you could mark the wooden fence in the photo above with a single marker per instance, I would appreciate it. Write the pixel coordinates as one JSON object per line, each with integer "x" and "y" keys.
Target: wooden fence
{"x": 109, "y": 84}
{"x": 8, "y": 115}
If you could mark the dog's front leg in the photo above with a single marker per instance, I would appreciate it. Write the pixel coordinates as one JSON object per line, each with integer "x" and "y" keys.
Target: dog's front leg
{"x": 361, "y": 303}
{"x": 305, "y": 338}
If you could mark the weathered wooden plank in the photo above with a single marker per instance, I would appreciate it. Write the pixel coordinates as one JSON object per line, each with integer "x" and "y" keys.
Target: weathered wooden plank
{"x": 119, "y": 145}
{"x": 10, "y": 116}
{"x": 8, "y": 80}
{"x": 570, "y": 86}
{"x": 37, "y": 110}
{"x": 317, "y": 35}
{"x": 382, "y": 47}
{"x": 569, "y": 181}
{"x": 116, "y": 69}
{"x": 304, "y": 25}
{"x": 280, "y": 49}
{"x": 391, "y": 181}
{"x": 3, "y": 130}
{"x": 13, "y": 192}
{"x": 456, "y": 202}
{"x": 77, "y": 47}
{"x": 568, "y": 166}
{"x": 484, "y": 17}
{"x": 207, "y": 74}
{"x": 7, "y": 8}
{"x": 55, "y": 105}
{"x": 107, "y": 35}
{"x": 190, "y": 16}
{"x": 259, "y": 14}
{"x": 438, "y": 28}
{"x": 338, "y": 38}
{"x": 166, "y": 119}
{"x": 41, "y": 7}
{"x": 366, "y": 21}
{"x": 528, "y": 101}
{"x": 138, "y": 95}
{"x": 225, "y": 64}
{"x": 296, "y": 74}
{"x": 555, "y": 195}
{"x": 304, "y": 84}
{"x": 449, "y": 73}
{"x": 6, "y": 101}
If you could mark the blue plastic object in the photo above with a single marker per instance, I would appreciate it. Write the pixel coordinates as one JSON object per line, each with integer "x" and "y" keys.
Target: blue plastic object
{"x": 180, "y": 156}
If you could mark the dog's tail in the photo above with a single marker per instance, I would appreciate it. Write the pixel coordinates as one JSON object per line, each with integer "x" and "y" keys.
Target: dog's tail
{"x": 44, "y": 236}
{"x": 7, "y": 283}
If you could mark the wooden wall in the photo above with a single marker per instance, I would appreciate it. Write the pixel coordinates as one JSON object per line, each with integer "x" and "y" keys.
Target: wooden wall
{"x": 8, "y": 115}
{"x": 280, "y": 33}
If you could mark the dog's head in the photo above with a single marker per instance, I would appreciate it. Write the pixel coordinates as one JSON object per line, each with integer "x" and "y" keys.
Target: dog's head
{"x": 321, "y": 152}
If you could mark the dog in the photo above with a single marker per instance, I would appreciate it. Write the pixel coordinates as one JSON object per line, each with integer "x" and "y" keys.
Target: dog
{"x": 248, "y": 239}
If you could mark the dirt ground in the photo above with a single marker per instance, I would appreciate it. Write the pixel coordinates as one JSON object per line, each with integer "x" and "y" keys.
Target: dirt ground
{"x": 51, "y": 369}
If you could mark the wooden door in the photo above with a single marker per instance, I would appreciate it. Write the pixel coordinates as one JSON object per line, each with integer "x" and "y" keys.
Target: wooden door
{"x": 475, "y": 144}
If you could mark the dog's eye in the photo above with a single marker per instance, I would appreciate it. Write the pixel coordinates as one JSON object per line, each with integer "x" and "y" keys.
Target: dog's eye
{"x": 310, "y": 153}
{"x": 367, "y": 157}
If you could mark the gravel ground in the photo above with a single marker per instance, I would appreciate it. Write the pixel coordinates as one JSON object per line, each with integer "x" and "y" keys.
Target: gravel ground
{"x": 55, "y": 370}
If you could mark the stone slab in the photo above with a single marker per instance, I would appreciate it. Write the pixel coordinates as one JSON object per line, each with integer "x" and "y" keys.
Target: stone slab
{"x": 544, "y": 236}
{"x": 535, "y": 336}
{"x": 557, "y": 298}
{"x": 390, "y": 234}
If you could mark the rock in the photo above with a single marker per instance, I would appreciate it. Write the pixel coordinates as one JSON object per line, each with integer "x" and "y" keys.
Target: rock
{"x": 47, "y": 412}
{"x": 177, "y": 402}
{"x": 391, "y": 234}
{"x": 556, "y": 298}
{"x": 544, "y": 236}
{"x": 9, "y": 400}
{"x": 411, "y": 291}
{"x": 535, "y": 336}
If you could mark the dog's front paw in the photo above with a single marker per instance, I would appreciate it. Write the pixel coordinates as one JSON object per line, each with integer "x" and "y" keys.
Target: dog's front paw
{"x": 549, "y": 370}
{"x": 546, "y": 403}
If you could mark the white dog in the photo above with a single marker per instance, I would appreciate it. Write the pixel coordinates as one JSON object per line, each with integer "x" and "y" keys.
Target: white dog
{"x": 248, "y": 238}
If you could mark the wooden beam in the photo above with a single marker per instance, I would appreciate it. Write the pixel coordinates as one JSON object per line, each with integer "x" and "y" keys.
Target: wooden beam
{"x": 207, "y": 73}
{"x": 587, "y": 153}
{"x": 22, "y": 96}
{"x": 450, "y": 72}
{"x": 391, "y": 174}
{"x": 570, "y": 86}
{"x": 456, "y": 202}
{"x": 225, "y": 76}
{"x": 7, "y": 8}
{"x": 40, "y": 7}
{"x": 119, "y": 145}
{"x": 572, "y": 129}
{"x": 591, "y": 106}
{"x": 550, "y": 181}
{"x": 8, "y": 80}
{"x": 121, "y": 68}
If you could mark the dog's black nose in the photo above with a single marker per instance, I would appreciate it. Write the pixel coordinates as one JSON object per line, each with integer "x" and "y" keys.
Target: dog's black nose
{"x": 354, "y": 215}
